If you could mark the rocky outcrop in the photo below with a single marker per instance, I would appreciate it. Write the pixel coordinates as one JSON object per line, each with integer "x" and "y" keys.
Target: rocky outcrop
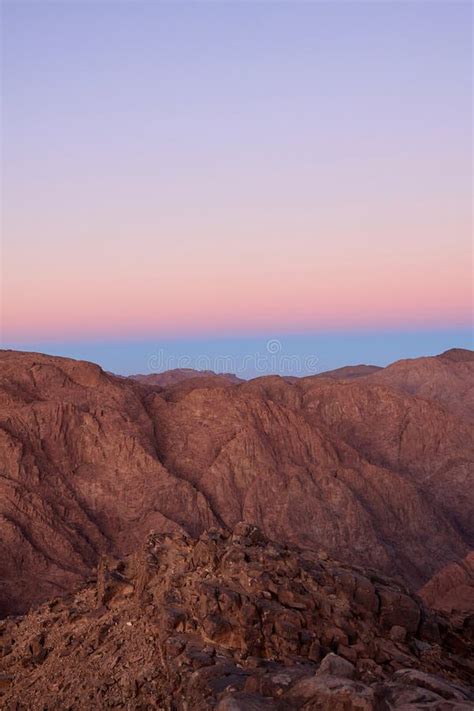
{"x": 92, "y": 462}
{"x": 232, "y": 621}
{"x": 451, "y": 589}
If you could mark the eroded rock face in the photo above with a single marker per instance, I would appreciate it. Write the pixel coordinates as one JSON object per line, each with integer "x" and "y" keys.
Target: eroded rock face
{"x": 451, "y": 589}
{"x": 231, "y": 622}
{"x": 361, "y": 469}
{"x": 447, "y": 378}
{"x": 80, "y": 475}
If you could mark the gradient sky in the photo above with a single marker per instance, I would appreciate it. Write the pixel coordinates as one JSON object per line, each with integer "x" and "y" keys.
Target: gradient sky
{"x": 200, "y": 170}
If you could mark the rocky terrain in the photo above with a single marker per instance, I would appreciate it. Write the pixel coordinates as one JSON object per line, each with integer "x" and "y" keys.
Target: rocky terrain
{"x": 451, "y": 589}
{"x": 447, "y": 378}
{"x": 375, "y": 470}
{"x": 178, "y": 375}
{"x": 235, "y": 622}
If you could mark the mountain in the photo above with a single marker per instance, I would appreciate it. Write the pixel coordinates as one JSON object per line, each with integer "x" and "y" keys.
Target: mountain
{"x": 362, "y": 469}
{"x": 447, "y": 379}
{"x": 350, "y": 372}
{"x": 178, "y": 375}
{"x": 234, "y": 622}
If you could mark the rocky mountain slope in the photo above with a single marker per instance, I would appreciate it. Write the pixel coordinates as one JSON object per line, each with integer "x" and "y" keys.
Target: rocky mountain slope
{"x": 373, "y": 470}
{"x": 234, "y": 622}
{"x": 447, "y": 378}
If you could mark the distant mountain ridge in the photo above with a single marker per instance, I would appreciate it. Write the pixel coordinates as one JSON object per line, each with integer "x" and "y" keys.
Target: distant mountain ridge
{"x": 177, "y": 375}
{"x": 349, "y": 372}
{"x": 447, "y": 378}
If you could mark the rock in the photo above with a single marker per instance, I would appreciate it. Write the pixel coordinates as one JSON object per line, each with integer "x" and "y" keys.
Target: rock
{"x": 173, "y": 618}
{"x": 5, "y": 681}
{"x": 398, "y": 634}
{"x": 433, "y": 683}
{"x": 315, "y": 651}
{"x": 245, "y": 702}
{"x": 199, "y": 630}
{"x": 331, "y": 694}
{"x": 421, "y": 646}
{"x": 217, "y": 628}
{"x": 274, "y": 684}
{"x": 388, "y": 651}
{"x": 248, "y": 533}
{"x": 411, "y": 698}
{"x": 334, "y": 665}
{"x": 429, "y": 630}
{"x": 398, "y": 609}
{"x": 295, "y": 601}
{"x": 365, "y": 595}
{"x": 348, "y": 653}
{"x": 37, "y": 645}
{"x": 451, "y": 589}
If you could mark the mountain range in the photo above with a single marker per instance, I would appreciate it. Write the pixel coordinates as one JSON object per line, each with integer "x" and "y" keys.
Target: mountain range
{"x": 373, "y": 466}
{"x": 189, "y": 540}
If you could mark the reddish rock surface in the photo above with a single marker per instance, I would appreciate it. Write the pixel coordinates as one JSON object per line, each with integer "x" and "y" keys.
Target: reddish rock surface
{"x": 234, "y": 622}
{"x": 178, "y": 375}
{"x": 447, "y": 378}
{"x": 350, "y": 372}
{"x": 359, "y": 468}
{"x": 451, "y": 589}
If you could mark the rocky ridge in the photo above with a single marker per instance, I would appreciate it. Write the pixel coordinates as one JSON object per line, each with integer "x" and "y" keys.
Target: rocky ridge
{"x": 235, "y": 622}
{"x": 447, "y": 378}
{"x": 179, "y": 375}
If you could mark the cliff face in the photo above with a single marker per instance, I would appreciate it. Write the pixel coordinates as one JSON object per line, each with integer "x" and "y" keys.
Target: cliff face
{"x": 371, "y": 470}
{"x": 233, "y": 622}
{"x": 81, "y": 475}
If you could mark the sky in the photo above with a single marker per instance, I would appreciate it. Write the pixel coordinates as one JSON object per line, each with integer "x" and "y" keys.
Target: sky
{"x": 200, "y": 178}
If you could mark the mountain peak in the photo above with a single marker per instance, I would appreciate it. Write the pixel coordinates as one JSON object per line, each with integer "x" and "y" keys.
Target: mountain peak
{"x": 458, "y": 355}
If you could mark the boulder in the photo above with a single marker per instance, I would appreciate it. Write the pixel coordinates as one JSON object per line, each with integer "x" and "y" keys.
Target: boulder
{"x": 334, "y": 665}
{"x": 439, "y": 686}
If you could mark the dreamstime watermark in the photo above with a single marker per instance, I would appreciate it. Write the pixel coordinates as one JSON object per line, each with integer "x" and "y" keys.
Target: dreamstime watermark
{"x": 272, "y": 359}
